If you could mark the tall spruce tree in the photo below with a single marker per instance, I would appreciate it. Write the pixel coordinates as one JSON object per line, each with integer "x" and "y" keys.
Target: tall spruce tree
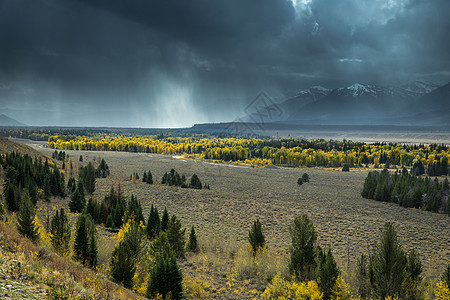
{"x": 93, "y": 251}
{"x": 166, "y": 279}
{"x": 195, "y": 182}
{"x": 81, "y": 242}
{"x": 164, "y": 220}
{"x": 25, "y": 219}
{"x": 192, "y": 244}
{"x": 175, "y": 235}
{"x": 149, "y": 178}
{"x": 328, "y": 274}
{"x": 124, "y": 257}
{"x": 134, "y": 209}
{"x": 144, "y": 177}
{"x": 153, "y": 223}
{"x": 60, "y": 232}
{"x": 362, "y": 282}
{"x": 122, "y": 265}
{"x": 11, "y": 194}
{"x": 302, "y": 264}
{"x": 256, "y": 237}
{"x": 387, "y": 264}
{"x": 77, "y": 200}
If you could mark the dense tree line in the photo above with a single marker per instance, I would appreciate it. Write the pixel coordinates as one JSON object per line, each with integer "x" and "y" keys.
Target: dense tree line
{"x": 286, "y": 152}
{"x": 113, "y": 210}
{"x": 407, "y": 190}
{"x": 23, "y": 172}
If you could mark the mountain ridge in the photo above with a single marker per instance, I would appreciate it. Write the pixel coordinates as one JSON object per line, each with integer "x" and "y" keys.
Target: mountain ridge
{"x": 368, "y": 104}
{"x": 10, "y": 122}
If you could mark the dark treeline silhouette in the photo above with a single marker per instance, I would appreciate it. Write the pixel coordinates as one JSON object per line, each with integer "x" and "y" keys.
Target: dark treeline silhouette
{"x": 407, "y": 190}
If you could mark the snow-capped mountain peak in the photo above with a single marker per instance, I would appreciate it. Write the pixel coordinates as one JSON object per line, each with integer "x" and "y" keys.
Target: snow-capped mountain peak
{"x": 358, "y": 89}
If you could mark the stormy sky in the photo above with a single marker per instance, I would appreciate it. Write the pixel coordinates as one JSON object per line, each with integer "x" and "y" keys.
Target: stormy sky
{"x": 145, "y": 63}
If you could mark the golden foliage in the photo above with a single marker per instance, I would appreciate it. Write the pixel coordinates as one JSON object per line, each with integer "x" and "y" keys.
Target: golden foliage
{"x": 242, "y": 150}
{"x": 341, "y": 290}
{"x": 284, "y": 289}
{"x": 442, "y": 291}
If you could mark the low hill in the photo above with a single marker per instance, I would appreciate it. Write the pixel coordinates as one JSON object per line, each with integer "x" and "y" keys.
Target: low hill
{"x": 10, "y": 122}
{"x": 7, "y": 146}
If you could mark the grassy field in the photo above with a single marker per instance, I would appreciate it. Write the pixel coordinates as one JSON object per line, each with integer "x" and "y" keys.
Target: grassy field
{"x": 223, "y": 215}
{"x": 239, "y": 195}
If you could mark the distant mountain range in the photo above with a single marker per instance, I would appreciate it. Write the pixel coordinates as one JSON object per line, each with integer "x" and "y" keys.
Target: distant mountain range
{"x": 7, "y": 121}
{"x": 417, "y": 103}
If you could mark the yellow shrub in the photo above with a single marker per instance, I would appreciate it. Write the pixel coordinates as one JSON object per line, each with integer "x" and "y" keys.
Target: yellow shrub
{"x": 340, "y": 290}
{"x": 194, "y": 287}
{"x": 278, "y": 289}
{"x": 126, "y": 228}
{"x": 44, "y": 236}
{"x": 283, "y": 289}
{"x": 442, "y": 291}
{"x": 306, "y": 291}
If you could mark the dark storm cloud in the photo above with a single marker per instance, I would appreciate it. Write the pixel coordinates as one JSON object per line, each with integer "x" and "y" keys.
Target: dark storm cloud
{"x": 168, "y": 63}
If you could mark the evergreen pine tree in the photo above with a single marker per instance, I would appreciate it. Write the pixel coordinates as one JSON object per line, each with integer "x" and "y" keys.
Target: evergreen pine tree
{"x": 144, "y": 177}
{"x": 413, "y": 266}
{"x": 444, "y": 164}
{"x": 387, "y": 265}
{"x": 166, "y": 279}
{"x": 11, "y": 195}
{"x": 195, "y": 182}
{"x": 149, "y": 178}
{"x": 165, "y": 220}
{"x": 93, "y": 252}
{"x": 77, "y": 200}
{"x": 302, "y": 262}
{"x": 124, "y": 257}
{"x": 175, "y": 235}
{"x": 122, "y": 265}
{"x": 165, "y": 179}
{"x": 91, "y": 209}
{"x": 153, "y": 223}
{"x": 160, "y": 246}
{"x": 328, "y": 273}
{"x": 192, "y": 242}
{"x": 134, "y": 209}
{"x": 305, "y": 177}
{"x": 25, "y": 219}
{"x": 183, "y": 181}
{"x": 361, "y": 277}
{"x": 256, "y": 237}
{"x": 81, "y": 243}
{"x": 60, "y": 232}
